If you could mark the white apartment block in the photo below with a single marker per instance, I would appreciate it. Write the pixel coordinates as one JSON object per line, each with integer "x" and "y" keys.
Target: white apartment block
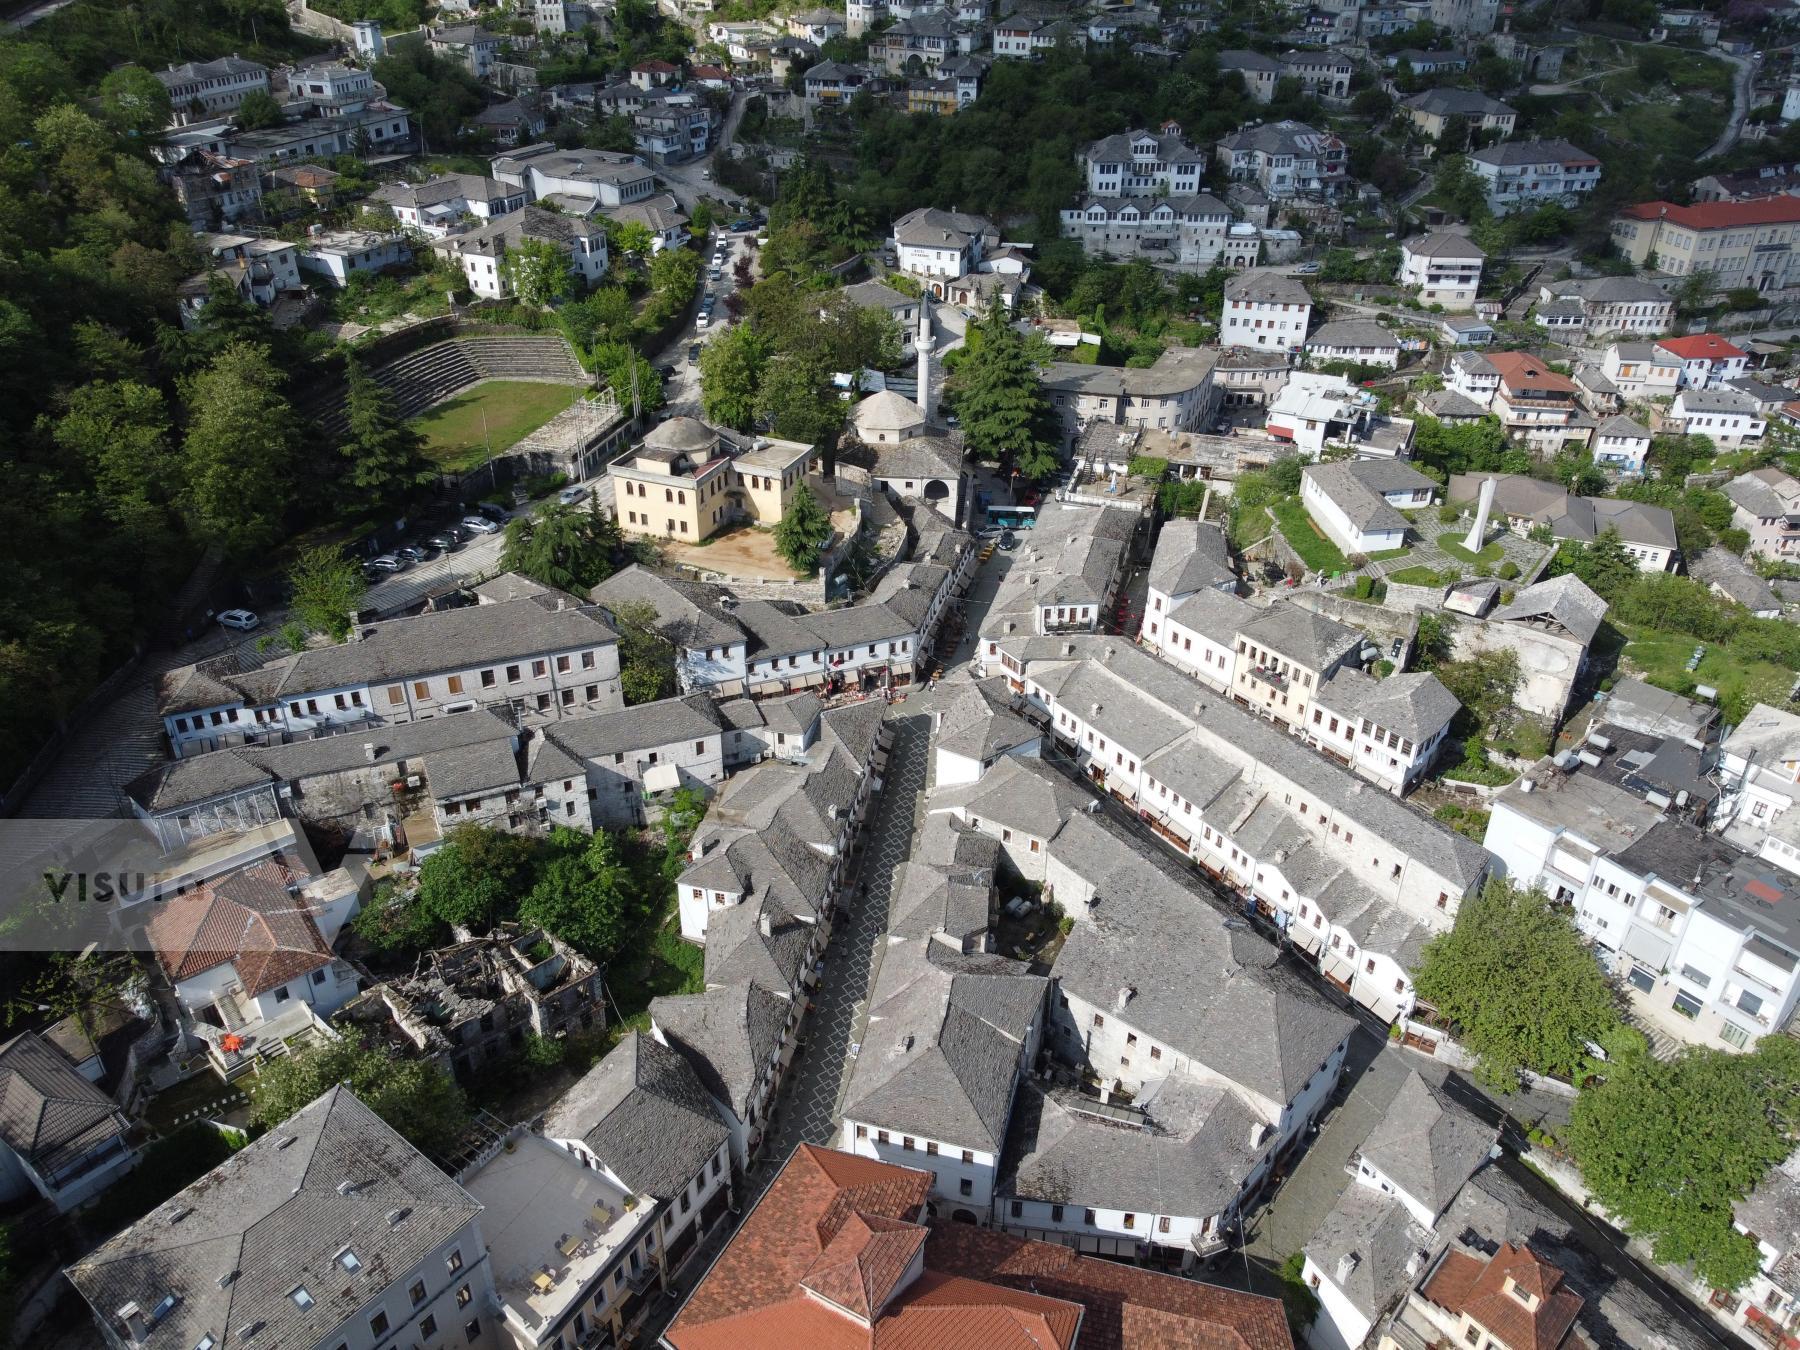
{"x": 1284, "y": 159}
{"x": 1766, "y": 504}
{"x": 1701, "y": 933}
{"x": 202, "y": 90}
{"x": 1521, "y": 175}
{"x": 1707, "y": 360}
{"x": 544, "y": 658}
{"x": 1265, "y": 309}
{"x": 1228, "y": 790}
{"x": 1741, "y": 244}
{"x": 1444, "y": 268}
{"x": 1193, "y": 231}
{"x": 481, "y": 252}
{"x": 1642, "y": 370}
{"x": 1144, "y": 164}
{"x": 1725, "y": 417}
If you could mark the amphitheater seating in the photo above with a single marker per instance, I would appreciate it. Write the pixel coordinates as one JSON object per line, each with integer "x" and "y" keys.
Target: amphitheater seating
{"x": 434, "y": 373}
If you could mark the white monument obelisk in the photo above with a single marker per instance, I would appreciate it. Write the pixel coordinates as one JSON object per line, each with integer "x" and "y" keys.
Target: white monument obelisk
{"x": 1478, "y": 531}
{"x": 923, "y": 343}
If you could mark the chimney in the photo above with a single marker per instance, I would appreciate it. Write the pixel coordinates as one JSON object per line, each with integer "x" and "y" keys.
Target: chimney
{"x": 1346, "y": 1267}
{"x": 369, "y": 751}
{"x": 1126, "y": 992}
{"x": 763, "y": 924}
{"x": 136, "y": 1324}
{"x": 1414, "y": 1264}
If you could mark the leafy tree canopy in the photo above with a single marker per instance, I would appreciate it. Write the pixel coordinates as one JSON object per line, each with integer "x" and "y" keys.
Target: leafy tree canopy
{"x": 418, "y": 1098}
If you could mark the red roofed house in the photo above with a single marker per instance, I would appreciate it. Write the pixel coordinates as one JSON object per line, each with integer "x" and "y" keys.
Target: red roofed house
{"x": 250, "y": 960}
{"x": 1536, "y": 404}
{"x": 712, "y": 77}
{"x": 1513, "y": 1299}
{"x": 834, "y": 1257}
{"x": 653, "y": 74}
{"x": 1706, "y": 359}
{"x": 1743, "y": 244}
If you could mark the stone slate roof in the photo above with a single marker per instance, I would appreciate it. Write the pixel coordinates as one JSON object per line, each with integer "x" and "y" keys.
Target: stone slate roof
{"x": 1214, "y": 993}
{"x": 278, "y": 1213}
{"x": 1170, "y": 148}
{"x": 1428, "y": 1145}
{"x": 1019, "y": 793}
{"x": 645, "y": 1114}
{"x": 1214, "y": 613}
{"x": 1717, "y": 567}
{"x": 1300, "y": 635}
{"x": 1415, "y": 704}
{"x": 49, "y": 1114}
{"x": 1621, "y": 425}
{"x": 1378, "y": 1237}
{"x": 1356, "y": 486}
{"x": 1191, "y": 555}
{"x": 737, "y": 950}
{"x": 644, "y": 726}
{"x": 1353, "y": 333}
{"x": 1511, "y": 154}
{"x": 1457, "y": 103}
{"x": 978, "y": 721}
{"x": 1765, "y": 493}
{"x": 1189, "y": 1155}
{"x": 919, "y": 457}
{"x": 1268, "y": 288}
{"x": 689, "y": 613}
{"x": 1565, "y": 600}
{"x": 729, "y": 1035}
{"x": 1447, "y": 403}
{"x": 941, "y": 1053}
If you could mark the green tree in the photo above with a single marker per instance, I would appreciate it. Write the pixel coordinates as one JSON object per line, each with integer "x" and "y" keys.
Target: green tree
{"x": 258, "y": 111}
{"x": 798, "y": 401}
{"x": 395, "y": 924}
{"x": 583, "y": 894}
{"x": 119, "y": 431}
{"x": 327, "y": 590}
{"x": 626, "y": 372}
{"x": 731, "y": 371}
{"x": 1605, "y": 565}
{"x": 570, "y": 548}
{"x": 674, "y": 278}
{"x": 632, "y": 239}
{"x": 646, "y": 658}
{"x": 1669, "y": 1146}
{"x": 387, "y": 456}
{"x": 1006, "y": 418}
{"x": 134, "y": 100}
{"x": 1517, "y": 979}
{"x": 476, "y": 878}
{"x": 538, "y": 272}
{"x": 1486, "y": 686}
{"x": 804, "y": 529}
{"x": 417, "y": 1097}
{"x": 239, "y": 452}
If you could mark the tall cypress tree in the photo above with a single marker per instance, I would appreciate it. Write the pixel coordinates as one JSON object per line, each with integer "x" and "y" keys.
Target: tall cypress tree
{"x": 387, "y": 457}
{"x": 1005, "y": 416}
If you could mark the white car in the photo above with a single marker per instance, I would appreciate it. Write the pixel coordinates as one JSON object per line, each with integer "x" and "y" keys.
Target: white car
{"x": 480, "y": 525}
{"x": 570, "y": 495}
{"x": 241, "y": 619}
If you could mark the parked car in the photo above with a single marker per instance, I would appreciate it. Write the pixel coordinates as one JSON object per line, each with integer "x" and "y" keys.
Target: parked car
{"x": 447, "y": 541}
{"x": 1009, "y": 541}
{"x": 570, "y": 495}
{"x": 480, "y": 525}
{"x": 738, "y": 226}
{"x": 494, "y": 512}
{"x": 703, "y": 318}
{"x": 241, "y": 619}
{"x": 389, "y": 562}
{"x": 694, "y": 354}
{"x": 1306, "y": 269}
{"x": 412, "y": 553}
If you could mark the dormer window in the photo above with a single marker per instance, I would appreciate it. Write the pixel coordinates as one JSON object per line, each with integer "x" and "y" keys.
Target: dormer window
{"x": 348, "y": 1260}
{"x": 302, "y": 1299}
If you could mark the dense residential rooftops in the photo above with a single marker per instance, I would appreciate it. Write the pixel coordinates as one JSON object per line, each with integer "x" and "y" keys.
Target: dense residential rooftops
{"x": 278, "y": 1213}
{"x": 1514, "y": 1295}
{"x": 1414, "y": 703}
{"x": 645, "y": 1114}
{"x": 50, "y": 1115}
{"x": 1190, "y": 555}
{"x": 1427, "y": 1144}
{"x": 729, "y": 1034}
{"x": 1300, "y": 635}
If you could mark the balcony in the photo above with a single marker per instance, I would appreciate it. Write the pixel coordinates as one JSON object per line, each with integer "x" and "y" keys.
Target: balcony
{"x": 1270, "y": 676}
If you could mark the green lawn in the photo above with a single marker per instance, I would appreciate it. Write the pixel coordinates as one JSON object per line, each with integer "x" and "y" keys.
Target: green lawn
{"x": 454, "y": 431}
{"x": 1661, "y": 659}
{"x": 1315, "y": 550}
{"x": 1414, "y": 576}
{"x": 1385, "y": 554}
{"x": 1451, "y": 543}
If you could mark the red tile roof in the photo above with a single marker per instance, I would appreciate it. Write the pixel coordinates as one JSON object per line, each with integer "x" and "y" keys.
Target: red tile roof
{"x": 830, "y": 1260}
{"x": 249, "y": 920}
{"x": 1464, "y": 1283}
{"x": 1720, "y": 215}
{"x": 1707, "y": 346}
{"x": 1520, "y": 370}
{"x": 1128, "y": 1308}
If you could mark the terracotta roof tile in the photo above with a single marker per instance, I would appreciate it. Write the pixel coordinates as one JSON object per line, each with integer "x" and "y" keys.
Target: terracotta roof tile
{"x": 1710, "y": 346}
{"x": 1720, "y": 215}
{"x": 1484, "y": 1290}
{"x": 249, "y": 920}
